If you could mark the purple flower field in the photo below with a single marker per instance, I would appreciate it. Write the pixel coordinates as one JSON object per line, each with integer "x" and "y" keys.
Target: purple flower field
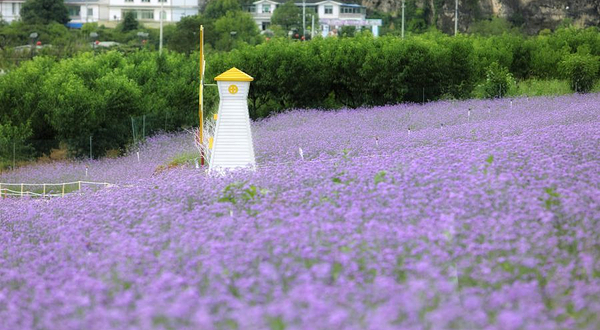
{"x": 481, "y": 219}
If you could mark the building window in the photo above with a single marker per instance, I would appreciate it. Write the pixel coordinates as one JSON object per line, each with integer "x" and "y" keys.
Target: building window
{"x": 74, "y": 10}
{"x": 265, "y": 25}
{"x": 251, "y": 9}
{"x": 90, "y": 12}
{"x": 350, "y": 10}
{"x": 128, "y": 0}
{"x": 145, "y": 0}
{"x": 163, "y": 15}
{"x": 266, "y": 8}
{"x": 147, "y": 14}
{"x": 124, "y": 12}
{"x": 142, "y": 14}
{"x": 329, "y": 9}
{"x": 162, "y": 0}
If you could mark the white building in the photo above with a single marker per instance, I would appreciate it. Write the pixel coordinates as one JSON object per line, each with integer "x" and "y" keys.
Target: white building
{"x": 332, "y": 14}
{"x": 81, "y": 12}
{"x": 111, "y": 12}
{"x": 10, "y": 9}
{"x": 148, "y": 11}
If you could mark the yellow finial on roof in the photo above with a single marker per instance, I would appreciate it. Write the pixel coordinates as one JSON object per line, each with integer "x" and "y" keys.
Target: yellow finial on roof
{"x": 233, "y": 74}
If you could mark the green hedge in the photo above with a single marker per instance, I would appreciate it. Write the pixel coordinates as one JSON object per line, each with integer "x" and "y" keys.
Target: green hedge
{"x": 352, "y": 72}
{"x": 103, "y": 95}
{"x": 97, "y": 95}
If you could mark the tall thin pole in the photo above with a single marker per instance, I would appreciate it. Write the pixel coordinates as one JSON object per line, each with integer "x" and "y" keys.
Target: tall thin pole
{"x": 132, "y": 130}
{"x": 312, "y": 29}
{"x": 201, "y": 89}
{"x": 456, "y": 17}
{"x": 403, "y": 5}
{"x": 160, "y": 44}
{"x": 90, "y": 147}
{"x": 304, "y": 19}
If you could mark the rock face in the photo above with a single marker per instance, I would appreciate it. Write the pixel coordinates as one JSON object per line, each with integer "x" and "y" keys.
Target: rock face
{"x": 534, "y": 15}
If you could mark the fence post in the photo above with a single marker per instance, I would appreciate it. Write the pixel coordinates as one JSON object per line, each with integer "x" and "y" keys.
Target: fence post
{"x": 133, "y": 130}
{"x": 0, "y": 190}
{"x": 21, "y": 190}
{"x": 78, "y": 185}
{"x": 63, "y": 190}
{"x": 90, "y": 147}
{"x": 44, "y": 192}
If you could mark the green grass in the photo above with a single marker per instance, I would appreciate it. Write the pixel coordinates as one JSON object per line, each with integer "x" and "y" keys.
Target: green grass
{"x": 596, "y": 88}
{"x": 50, "y": 189}
{"x": 538, "y": 87}
{"x": 535, "y": 87}
{"x": 183, "y": 158}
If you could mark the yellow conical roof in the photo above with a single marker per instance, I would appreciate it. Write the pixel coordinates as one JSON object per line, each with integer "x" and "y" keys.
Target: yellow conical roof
{"x": 233, "y": 74}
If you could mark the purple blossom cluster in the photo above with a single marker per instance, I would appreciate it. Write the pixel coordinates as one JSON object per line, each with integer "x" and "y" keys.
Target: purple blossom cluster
{"x": 485, "y": 218}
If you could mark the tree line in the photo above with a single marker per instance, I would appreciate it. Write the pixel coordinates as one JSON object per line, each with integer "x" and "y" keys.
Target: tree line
{"x": 97, "y": 94}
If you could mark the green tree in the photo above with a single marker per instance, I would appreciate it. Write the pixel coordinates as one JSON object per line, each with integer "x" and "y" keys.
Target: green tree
{"x": 44, "y": 12}
{"x": 13, "y": 142}
{"x": 218, "y": 8}
{"x": 130, "y": 23}
{"x": 21, "y": 102}
{"x": 498, "y": 82}
{"x": 287, "y": 16}
{"x": 234, "y": 29}
{"x": 185, "y": 37}
{"x": 347, "y": 31}
{"x": 581, "y": 69}
{"x": 91, "y": 96}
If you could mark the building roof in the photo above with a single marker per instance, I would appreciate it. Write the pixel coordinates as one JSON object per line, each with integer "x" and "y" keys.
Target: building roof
{"x": 342, "y": 2}
{"x": 233, "y": 74}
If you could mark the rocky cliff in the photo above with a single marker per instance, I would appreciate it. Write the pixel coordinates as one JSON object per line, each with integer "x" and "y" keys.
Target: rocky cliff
{"x": 532, "y": 15}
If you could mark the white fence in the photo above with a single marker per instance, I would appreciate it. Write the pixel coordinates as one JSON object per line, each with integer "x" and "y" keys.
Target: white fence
{"x": 46, "y": 189}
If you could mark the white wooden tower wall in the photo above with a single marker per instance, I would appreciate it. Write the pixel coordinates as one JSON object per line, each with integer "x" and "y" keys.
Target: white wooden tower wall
{"x": 232, "y": 146}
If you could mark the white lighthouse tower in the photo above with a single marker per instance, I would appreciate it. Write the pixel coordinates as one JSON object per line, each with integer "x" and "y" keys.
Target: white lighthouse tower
{"x": 232, "y": 146}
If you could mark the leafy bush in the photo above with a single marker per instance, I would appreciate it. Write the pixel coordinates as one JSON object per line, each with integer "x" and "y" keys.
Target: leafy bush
{"x": 581, "y": 69}
{"x": 498, "y": 82}
{"x": 130, "y": 23}
{"x": 97, "y": 96}
{"x": 102, "y": 95}
{"x": 12, "y": 140}
{"x": 537, "y": 87}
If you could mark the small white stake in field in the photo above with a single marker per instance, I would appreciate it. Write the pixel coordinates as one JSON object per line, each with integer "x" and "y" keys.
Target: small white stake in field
{"x": 232, "y": 146}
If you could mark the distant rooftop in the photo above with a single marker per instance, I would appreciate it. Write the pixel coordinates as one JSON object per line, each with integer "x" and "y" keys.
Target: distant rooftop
{"x": 81, "y": 1}
{"x": 345, "y": 2}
